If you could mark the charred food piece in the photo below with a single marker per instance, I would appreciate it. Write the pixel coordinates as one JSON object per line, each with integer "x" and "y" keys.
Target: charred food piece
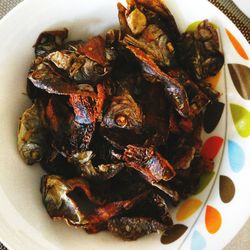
{"x": 149, "y": 163}
{"x": 59, "y": 205}
{"x": 154, "y": 74}
{"x": 68, "y": 136}
{"x": 155, "y": 43}
{"x": 62, "y": 201}
{"x": 199, "y": 51}
{"x": 123, "y": 112}
{"x": 49, "y": 41}
{"x": 31, "y": 140}
{"x": 43, "y": 77}
{"x": 141, "y": 13}
{"x": 134, "y": 228}
{"x": 88, "y": 105}
{"x": 143, "y": 29}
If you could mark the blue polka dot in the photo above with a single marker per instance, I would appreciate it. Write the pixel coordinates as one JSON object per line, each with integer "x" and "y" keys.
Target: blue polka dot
{"x": 236, "y": 156}
{"x": 197, "y": 241}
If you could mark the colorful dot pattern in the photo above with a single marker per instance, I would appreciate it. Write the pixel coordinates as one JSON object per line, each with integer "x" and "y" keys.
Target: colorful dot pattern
{"x": 213, "y": 219}
{"x": 236, "y": 44}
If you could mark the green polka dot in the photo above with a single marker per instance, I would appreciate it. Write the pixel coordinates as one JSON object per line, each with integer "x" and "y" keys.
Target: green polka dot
{"x": 241, "y": 119}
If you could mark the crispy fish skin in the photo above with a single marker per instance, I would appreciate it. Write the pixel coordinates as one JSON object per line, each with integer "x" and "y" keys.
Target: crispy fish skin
{"x": 173, "y": 88}
{"x": 199, "y": 51}
{"x": 149, "y": 163}
{"x": 133, "y": 228}
{"x": 49, "y": 41}
{"x": 44, "y": 78}
{"x": 31, "y": 140}
{"x": 67, "y": 136}
{"x": 117, "y": 122}
{"x": 61, "y": 205}
{"x": 123, "y": 112}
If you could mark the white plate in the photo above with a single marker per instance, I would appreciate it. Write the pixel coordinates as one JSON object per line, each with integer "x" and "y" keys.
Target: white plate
{"x": 24, "y": 223}
{"x": 244, "y": 6}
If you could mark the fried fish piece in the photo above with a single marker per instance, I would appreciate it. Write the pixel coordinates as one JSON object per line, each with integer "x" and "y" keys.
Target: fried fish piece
{"x": 31, "y": 139}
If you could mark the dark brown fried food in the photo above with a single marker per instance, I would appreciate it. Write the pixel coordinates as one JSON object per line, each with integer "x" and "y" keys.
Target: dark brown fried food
{"x": 119, "y": 138}
{"x": 155, "y": 108}
{"x": 123, "y": 112}
{"x": 162, "y": 209}
{"x": 184, "y": 158}
{"x": 197, "y": 97}
{"x": 173, "y": 88}
{"x": 199, "y": 51}
{"x": 68, "y": 136}
{"x": 154, "y": 207}
{"x": 158, "y": 13}
{"x": 77, "y": 67}
{"x": 155, "y": 43}
{"x": 80, "y": 164}
{"x": 134, "y": 228}
{"x": 149, "y": 163}
{"x": 187, "y": 180}
{"x": 55, "y": 194}
{"x": 78, "y": 62}
{"x": 62, "y": 203}
{"x": 103, "y": 214}
{"x": 31, "y": 139}
{"x": 102, "y": 171}
{"x": 44, "y": 78}
{"x": 49, "y": 41}
{"x": 117, "y": 122}
{"x": 94, "y": 49}
{"x": 149, "y": 25}
{"x": 125, "y": 185}
{"x": 88, "y": 105}
{"x": 140, "y": 13}
{"x": 56, "y": 164}
{"x": 171, "y": 192}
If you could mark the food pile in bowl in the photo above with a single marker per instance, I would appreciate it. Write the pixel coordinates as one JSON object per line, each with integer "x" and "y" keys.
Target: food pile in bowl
{"x": 116, "y": 122}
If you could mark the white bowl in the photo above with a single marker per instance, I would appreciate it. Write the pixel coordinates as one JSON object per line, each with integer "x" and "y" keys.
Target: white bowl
{"x": 23, "y": 219}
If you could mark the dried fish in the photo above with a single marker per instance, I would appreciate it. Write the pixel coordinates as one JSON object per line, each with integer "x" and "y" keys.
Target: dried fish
{"x": 31, "y": 136}
{"x": 61, "y": 202}
{"x": 68, "y": 136}
{"x": 123, "y": 112}
{"x": 116, "y": 123}
{"x": 199, "y": 51}
{"x": 155, "y": 43}
{"x": 173, "y": 88}
{"x": 88, "y": 105}
{"x": 55, "y": 194}
{"x": 49, "y": 41}
{"x": 149, "y": 163}
{"x": 134, "y": 228}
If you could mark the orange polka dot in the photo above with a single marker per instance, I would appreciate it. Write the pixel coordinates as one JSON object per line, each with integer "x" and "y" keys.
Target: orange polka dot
{"x": 237, "y": 45}
{"x": 213, "y": 219}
